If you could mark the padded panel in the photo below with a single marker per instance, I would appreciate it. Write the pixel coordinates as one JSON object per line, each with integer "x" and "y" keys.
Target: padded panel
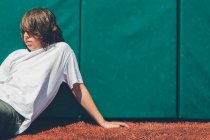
{"x": 68, "y": 17}
{"x": 128, "y": 57}
{"x": 195, "y": 67}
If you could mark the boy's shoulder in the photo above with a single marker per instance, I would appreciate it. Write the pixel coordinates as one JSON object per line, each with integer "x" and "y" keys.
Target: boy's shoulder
{"x": 65, "y": 46}
{"x": 18, "y": 52}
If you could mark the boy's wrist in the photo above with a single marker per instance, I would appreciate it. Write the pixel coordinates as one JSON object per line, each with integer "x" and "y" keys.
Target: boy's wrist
{"x": 101, "y": 121}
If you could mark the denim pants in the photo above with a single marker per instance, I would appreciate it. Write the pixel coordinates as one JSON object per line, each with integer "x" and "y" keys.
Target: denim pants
{"x": 10, "y": 120}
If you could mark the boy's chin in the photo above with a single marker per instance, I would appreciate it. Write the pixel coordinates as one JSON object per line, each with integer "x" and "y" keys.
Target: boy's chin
{"x": 27, "y": 48}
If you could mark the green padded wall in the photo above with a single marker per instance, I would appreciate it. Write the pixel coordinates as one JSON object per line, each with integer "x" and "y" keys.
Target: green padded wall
{"x": 68, "y": 17}
{"x": 128, "y": 56}
{"x": 194, "y": 60}
{"x": 127, "y": 51}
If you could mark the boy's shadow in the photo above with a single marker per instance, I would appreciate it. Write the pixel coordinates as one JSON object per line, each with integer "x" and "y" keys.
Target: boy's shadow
{"x": 41, "y": 125}
{"x": 64, "y": 110}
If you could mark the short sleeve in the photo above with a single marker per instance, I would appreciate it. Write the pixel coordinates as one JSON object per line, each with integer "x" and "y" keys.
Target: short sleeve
{"x": 72, "y": 73}
{"x": 5, "y": 69}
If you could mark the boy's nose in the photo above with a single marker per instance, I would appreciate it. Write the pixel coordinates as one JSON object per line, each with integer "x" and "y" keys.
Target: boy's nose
{"x": 25, "y": 36}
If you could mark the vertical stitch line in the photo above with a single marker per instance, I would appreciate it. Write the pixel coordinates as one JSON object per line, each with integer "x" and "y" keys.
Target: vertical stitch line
{"x": 178, "y": 59}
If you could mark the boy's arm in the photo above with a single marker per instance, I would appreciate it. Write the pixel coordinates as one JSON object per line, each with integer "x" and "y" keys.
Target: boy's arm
{"x": 84, "y": 98}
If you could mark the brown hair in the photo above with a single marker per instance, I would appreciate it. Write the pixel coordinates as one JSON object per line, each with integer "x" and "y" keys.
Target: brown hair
{"x": 41, "y": 23}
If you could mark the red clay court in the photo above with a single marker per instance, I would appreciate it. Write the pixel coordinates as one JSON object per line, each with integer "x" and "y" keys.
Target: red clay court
{"x": 65, "y": 130}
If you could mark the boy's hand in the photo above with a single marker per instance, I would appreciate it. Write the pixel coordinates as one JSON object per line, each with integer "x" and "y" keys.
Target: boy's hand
{"x": 113, "y": 124}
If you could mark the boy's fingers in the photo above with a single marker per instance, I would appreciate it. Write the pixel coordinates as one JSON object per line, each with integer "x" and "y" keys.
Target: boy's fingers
{"x": 121, "y": 124}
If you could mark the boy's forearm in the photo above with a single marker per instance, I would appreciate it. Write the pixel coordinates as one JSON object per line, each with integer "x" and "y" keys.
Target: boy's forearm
{"x": 83, "y": 96}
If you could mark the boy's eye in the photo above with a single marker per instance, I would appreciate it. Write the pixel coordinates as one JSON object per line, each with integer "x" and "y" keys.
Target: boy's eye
{"x": 22, "y": 31}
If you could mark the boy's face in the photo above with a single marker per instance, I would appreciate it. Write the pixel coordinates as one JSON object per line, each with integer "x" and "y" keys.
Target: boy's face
{"x": 33, "y": 43}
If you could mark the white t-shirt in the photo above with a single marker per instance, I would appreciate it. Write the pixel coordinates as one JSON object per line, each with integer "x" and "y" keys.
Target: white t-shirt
{"x": 30, "y": 80}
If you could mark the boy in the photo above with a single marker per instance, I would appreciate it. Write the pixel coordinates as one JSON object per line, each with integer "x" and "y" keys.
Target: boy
{"x": 30, "y": 78}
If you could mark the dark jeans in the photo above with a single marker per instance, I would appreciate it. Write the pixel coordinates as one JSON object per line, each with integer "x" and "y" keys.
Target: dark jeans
{"x": 10, "y": 120}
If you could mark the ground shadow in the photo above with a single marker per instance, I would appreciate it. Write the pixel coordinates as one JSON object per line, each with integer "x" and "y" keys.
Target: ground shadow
{"x": 46, "y": 124}
{"x": 43, "y": 125}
